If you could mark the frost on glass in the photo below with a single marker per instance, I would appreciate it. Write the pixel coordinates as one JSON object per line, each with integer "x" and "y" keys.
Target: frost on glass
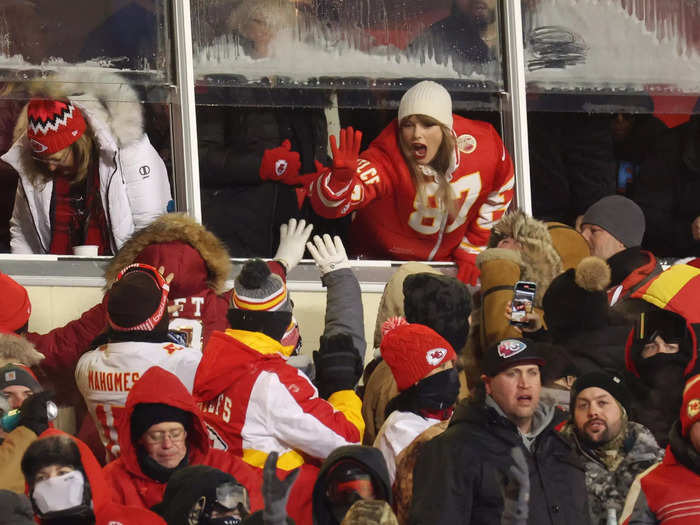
{"x": 613, "y": 45}
{"x": 40, "y": 37}
{"x": 325, "y": 41}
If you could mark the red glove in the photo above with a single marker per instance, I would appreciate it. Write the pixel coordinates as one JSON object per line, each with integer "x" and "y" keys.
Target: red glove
{"x": 467, "y": 272}
{"x": 345, "y": 158}
{"x": 281, "y": 164}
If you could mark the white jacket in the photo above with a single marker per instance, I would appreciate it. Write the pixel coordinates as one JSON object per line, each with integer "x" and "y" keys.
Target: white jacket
{"x": 398, "y": 431}
{"x": 105, "y": 376}
{"x": 134, "y": 183}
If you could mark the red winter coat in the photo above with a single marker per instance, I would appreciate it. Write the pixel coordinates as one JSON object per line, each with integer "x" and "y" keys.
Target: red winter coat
{"x": 665, "y": 493}
{"x": 107, "y": 512}
{"x": 130, "y": 485}
{"x": 389, "y": 225}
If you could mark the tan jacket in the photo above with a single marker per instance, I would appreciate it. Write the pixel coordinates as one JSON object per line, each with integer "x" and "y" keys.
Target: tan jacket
{"x": 12, "y": 449}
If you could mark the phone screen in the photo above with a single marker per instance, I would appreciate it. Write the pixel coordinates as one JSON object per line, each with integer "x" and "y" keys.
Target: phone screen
{"x": 523, "y": 300}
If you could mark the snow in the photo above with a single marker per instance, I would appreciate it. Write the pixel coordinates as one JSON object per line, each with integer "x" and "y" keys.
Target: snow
{"x": 623, "y": 53}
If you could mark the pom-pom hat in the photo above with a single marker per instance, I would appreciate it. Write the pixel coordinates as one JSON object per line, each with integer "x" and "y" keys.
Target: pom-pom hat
{"x": 427, "y": 98}
{"x": 412, "y": 351}
{"x": 53, "y": 125}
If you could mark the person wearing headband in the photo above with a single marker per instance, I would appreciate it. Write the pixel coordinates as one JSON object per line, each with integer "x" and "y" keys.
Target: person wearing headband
{"x": 137, "y": 315}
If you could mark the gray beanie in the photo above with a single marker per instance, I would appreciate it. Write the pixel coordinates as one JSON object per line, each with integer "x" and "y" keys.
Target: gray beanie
{"x": 620, "y": 217}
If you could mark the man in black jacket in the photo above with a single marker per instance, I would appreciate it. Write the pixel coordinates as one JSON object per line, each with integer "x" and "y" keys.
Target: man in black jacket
{"x": 458, "y": 478}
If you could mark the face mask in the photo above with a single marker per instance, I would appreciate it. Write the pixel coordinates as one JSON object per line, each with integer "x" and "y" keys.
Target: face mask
{"x": 60, "y": 492}
{"x": 438, "y": 391}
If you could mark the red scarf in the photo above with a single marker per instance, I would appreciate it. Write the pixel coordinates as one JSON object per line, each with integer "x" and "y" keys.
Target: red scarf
{"x": 78, "y": 215}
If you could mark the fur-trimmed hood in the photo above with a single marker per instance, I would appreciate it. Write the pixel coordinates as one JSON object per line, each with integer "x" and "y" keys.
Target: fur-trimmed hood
{"x": 179, "y": 243}
{"x": 539, "y": 260}
{"x": 17, "y": 349}
{"x": 110, "y": 106}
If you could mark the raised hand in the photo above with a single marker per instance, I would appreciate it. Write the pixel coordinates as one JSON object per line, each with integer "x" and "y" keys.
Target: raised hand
{"x": 346, "y": 154}
{"x": 281, "y": 164}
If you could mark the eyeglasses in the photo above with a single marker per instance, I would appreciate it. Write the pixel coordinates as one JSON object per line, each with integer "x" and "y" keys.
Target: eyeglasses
{"x": 176, "y": 435}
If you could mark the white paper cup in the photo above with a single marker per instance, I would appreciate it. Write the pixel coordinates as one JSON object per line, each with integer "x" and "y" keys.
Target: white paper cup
{"x": 85, "y": 250}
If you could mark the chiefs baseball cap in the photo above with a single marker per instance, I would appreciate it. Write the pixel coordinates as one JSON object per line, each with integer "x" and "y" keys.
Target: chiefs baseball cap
{"x": 511, "y": 352}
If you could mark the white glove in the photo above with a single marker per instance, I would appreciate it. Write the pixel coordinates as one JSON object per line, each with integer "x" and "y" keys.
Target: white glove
{"x": 328, "y": 253}
{"x": 292, "y": 239}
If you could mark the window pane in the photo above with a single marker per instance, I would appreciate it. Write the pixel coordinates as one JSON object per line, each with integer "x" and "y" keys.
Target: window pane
{"x": 124, "y": 35}
{"x": 324, "y": 42}
{"x": 613, "y": 109}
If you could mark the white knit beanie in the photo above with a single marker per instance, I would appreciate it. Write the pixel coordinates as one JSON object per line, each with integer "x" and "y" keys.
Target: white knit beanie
{"x": 427, "y": 98}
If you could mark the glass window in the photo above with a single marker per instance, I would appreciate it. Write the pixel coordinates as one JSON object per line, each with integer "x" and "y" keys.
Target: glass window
{"x": 612, "y": 102}
{"x": 273, "y": 70}
{"x": 85, "y": 135}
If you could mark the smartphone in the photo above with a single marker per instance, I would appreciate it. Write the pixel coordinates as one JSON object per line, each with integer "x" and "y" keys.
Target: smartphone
{"x": 523, "y": 300}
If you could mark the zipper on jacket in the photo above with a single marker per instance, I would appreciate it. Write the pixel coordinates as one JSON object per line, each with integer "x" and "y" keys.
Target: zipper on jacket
{"x": 107, "y": 214}
{"x": 31, "y": 214}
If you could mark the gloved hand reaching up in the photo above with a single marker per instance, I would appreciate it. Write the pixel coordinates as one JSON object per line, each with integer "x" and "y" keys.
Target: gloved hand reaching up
{"x": 328, "y": 253}
{"x": 276, "y": 491}
{"x": 345, "y": 158}
{"x": 338, "y": 364}
{"x": 293, "y": 237}
{"x": 281, "y": 164}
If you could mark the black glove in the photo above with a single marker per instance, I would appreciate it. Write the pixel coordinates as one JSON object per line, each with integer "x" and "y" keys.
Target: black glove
{"x": 33, "y": 413}
{"x": 338, "y": 365}
{"x": 276, "y": 492}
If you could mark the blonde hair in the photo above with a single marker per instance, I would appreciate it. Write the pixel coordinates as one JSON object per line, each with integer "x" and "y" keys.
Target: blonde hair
{"x": 441, "y": 163}
{"x": 277, "y": 14}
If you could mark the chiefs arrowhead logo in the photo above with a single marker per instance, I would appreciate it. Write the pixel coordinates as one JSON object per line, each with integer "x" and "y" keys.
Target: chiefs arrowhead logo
{"x": 280, "y": 167}
{"x": 693, "y": 408}
{"x": 466, "y": 144}
{"x": 37, "y": 147}
{"x": 510, "y": 347}
{"x": 435, "y": 356}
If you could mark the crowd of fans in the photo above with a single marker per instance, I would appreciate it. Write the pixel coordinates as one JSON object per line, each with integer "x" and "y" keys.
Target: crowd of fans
{"x": 583, "y": 412}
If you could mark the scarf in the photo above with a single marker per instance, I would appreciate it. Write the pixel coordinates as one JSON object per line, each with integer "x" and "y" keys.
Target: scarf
{"x": 78, "y": 216}
{"x": 610, "y": 454}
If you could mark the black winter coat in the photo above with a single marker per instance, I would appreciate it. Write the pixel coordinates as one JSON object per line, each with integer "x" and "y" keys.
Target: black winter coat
{"x": 237, "y": 206}
{"x": 457, "y": 478}
{"x": 667, "y": 190}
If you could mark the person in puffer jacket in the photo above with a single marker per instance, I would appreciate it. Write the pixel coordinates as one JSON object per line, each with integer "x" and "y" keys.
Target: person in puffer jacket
{"x": 65, "y": 485}
{"x": 88, "y": 174}
{"x": 162, "y": 432}
{"x": 256, "y": 403}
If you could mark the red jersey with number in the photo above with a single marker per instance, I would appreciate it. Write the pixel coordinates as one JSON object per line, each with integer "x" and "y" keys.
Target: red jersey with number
{"x": 105, "y": 377}
{"x": 392, "y": 222}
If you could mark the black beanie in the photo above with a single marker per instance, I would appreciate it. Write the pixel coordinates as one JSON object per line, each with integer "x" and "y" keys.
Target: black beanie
{"x": 439, "y": 302}
{"x": 186, "y": 487}
{"x": 145, "y": 415}
{"x": 612, "y": 384}
{"x": 577, "y": 299}
{"x": 133, "y": 300}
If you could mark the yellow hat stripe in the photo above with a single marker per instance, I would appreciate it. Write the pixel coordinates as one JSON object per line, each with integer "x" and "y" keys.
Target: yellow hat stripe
{"x": 256, "y": 305}
{"x": 668, "y": 284}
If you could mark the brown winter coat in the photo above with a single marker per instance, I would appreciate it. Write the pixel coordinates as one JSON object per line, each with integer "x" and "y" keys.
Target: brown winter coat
{"x": 406, "y": 460}
{"x": 537, "y": 261}
{"x": 11, "y": 451}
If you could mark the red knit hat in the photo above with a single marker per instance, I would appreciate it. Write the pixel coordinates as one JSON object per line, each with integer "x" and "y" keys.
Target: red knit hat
{"x": 690, "y": 409}
{"x": 53, "y": 125}
{"x": 412, "y": 351}
{"x": 15, "y": 307}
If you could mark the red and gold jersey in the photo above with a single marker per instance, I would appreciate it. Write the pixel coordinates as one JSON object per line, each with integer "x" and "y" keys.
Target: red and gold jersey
{"x": 393, "y": 222}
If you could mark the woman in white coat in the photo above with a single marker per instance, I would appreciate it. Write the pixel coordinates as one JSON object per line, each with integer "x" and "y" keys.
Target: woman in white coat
{"x": 88, "y": 174}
